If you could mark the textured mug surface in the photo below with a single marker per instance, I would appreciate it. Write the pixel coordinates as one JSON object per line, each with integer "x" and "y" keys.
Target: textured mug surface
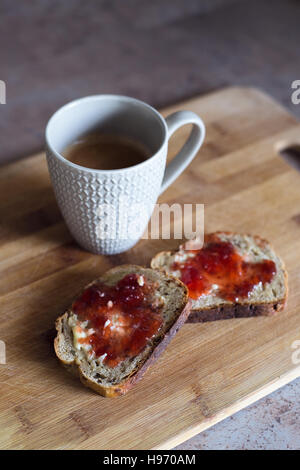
{"x": 102, "y": 207}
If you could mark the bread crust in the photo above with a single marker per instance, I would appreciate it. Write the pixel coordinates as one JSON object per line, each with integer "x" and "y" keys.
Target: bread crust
{"x": 226, "y": 311}
{"x": 234, "y": 310}
{"x": 121, "y": 388}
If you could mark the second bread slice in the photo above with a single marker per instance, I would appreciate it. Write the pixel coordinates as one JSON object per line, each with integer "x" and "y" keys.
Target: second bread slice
{"x": 264, "y": 298}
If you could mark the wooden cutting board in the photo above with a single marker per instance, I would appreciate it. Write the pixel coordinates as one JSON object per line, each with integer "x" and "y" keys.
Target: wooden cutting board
{"x": 209, "y": 371}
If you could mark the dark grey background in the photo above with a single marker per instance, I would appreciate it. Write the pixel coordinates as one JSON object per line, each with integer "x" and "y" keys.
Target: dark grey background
{"x": 161, "y": 51}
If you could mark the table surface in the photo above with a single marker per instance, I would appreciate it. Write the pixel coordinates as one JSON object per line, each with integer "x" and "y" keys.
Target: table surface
{"x": 52, "y": 52}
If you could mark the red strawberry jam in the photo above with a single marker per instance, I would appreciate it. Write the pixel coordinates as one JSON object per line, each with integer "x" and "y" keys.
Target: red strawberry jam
{"x": 219, "y": 263}
{"x": 121, "y": 318}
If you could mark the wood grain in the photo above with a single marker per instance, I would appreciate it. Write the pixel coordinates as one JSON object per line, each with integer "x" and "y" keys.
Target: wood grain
{"x": 208, "y": 371}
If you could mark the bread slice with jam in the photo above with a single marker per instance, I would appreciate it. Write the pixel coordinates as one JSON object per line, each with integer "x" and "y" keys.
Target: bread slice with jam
{"x": 119, "y": 325}
{"x": 232, "y": 276}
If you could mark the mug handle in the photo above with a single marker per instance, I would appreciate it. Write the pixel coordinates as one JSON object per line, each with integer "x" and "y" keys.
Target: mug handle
{"x": 189, "y": 149}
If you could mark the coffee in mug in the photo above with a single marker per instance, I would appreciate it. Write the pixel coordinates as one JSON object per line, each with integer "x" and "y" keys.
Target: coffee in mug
{"x": 101, "y": 151}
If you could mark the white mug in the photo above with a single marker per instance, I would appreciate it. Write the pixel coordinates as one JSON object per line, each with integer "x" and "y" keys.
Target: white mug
{"x": 99, "y": 206}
